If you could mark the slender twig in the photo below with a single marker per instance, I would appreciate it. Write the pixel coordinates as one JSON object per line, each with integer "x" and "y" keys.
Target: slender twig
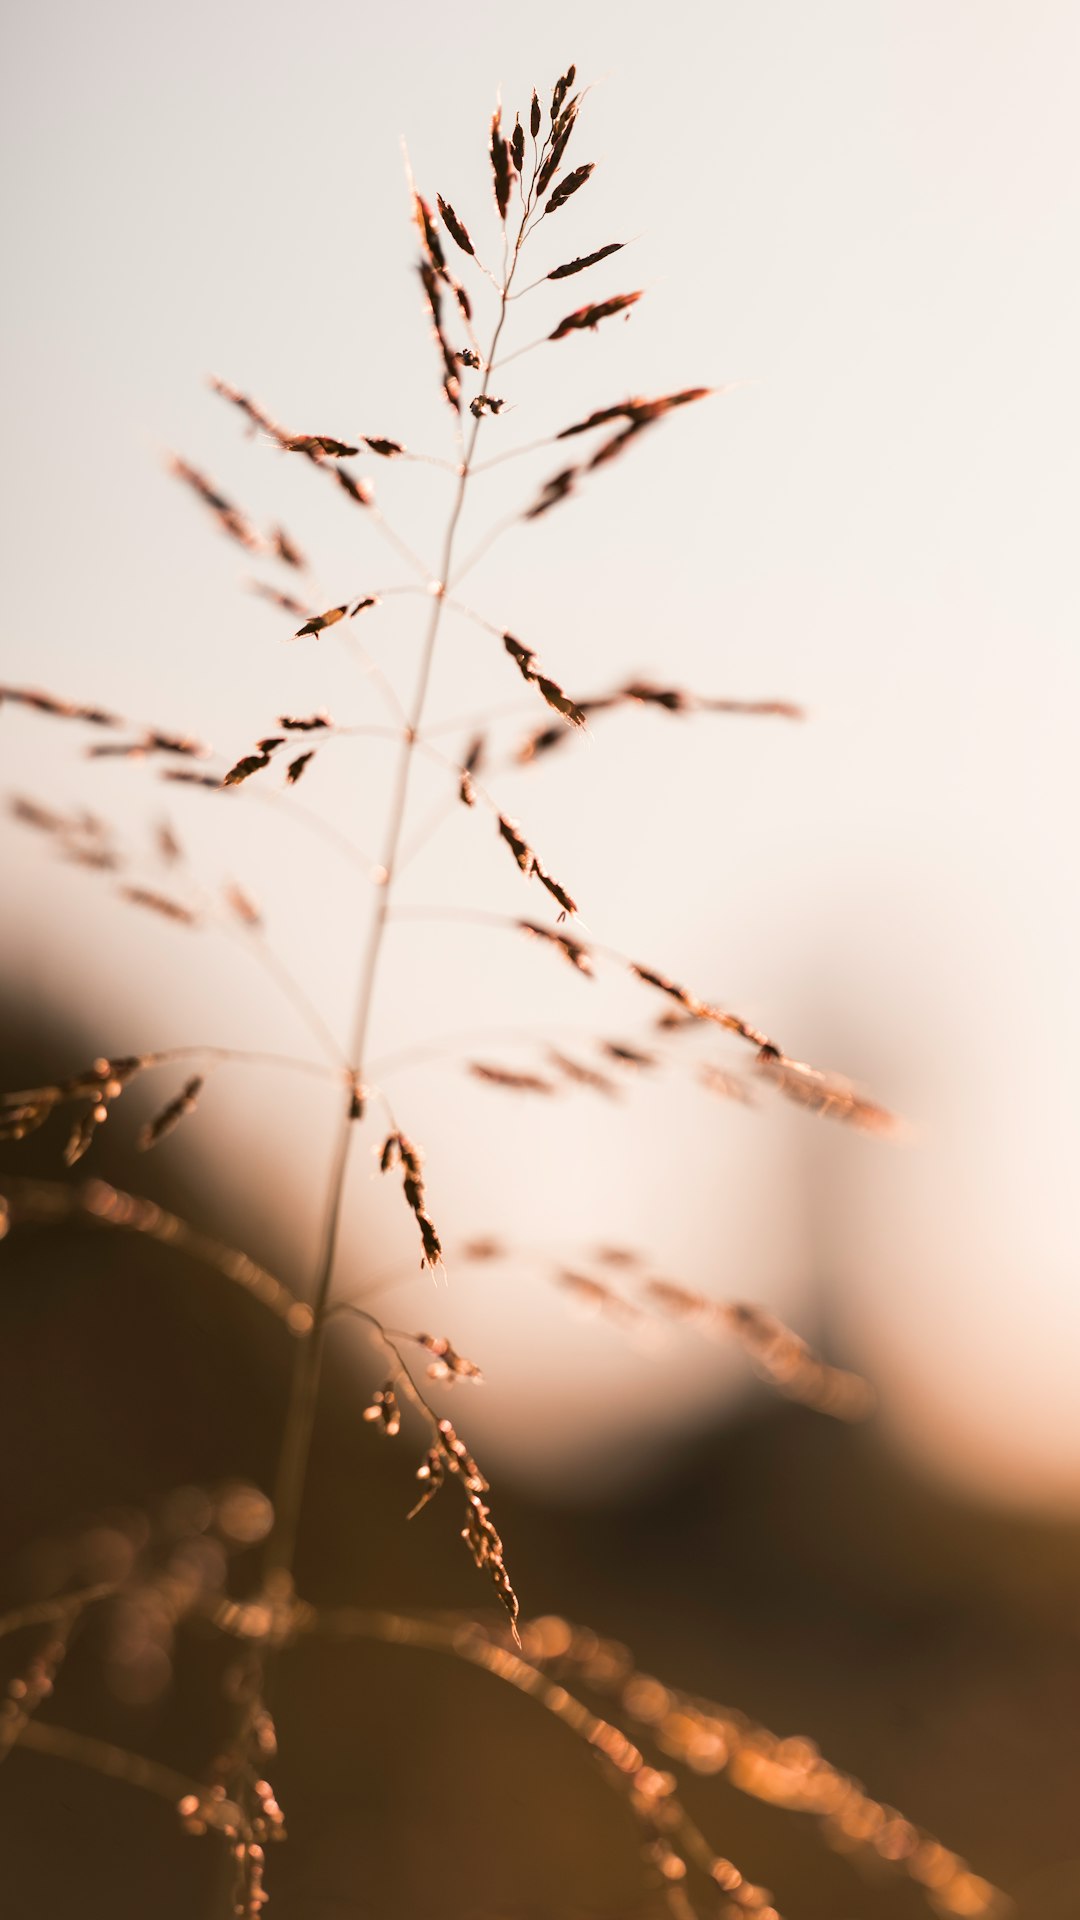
{"x": 245, "y": 1056}
{"x": 253, "y": 940}
{"x": 482, "y": 716}
{"x": 483, "y": 548}
{"x": 440, "y": 813}
{"x": 300, "y": 1418}
{"x": 39, "y": 1612}
{"x": 658, "y": 1810}
{"x": 25, "y": 1696}
{"x": 388, "y": 1338}
{"x": 116, "y": 1763}
{"x": 399, "y": 545}
{"x": 94, "y": 1203}
{"x": 514, "y": 453}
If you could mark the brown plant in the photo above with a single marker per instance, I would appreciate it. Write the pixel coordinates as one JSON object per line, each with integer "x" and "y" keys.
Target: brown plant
{"x": 233, "y": 1800}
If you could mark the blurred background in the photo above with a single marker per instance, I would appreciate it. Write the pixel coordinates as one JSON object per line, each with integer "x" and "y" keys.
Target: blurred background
{"x": 860, "y": 224}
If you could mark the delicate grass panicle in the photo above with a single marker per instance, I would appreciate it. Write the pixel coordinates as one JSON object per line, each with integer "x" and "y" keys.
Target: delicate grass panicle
{"x": 181, "y": 1574}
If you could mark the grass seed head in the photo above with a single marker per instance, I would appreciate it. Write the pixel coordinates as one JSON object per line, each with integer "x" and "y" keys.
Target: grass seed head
{"x": 429, "y": 234}
{"x": 458, "y": 231}
{"x": 360, "y": 492}
{"x": 229, "y": 518}
{"x": 171, "y": 1115}
{"x": 578, "y": 955}
{"x": 501, "y": 165}
{"x": 160, "y": 903}
{"x": 566, "y": 188}
{"x": 385, "y": 1411}
{"x": 579, "y": 264}
{"x": 591, "y": 316}
{"x": 508, "y": 1077}
{"x": 319, "y": 621}
{"x": 296, "y": 768}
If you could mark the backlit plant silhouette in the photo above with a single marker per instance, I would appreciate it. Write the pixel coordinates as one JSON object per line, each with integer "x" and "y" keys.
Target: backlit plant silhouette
{"x": 182, "y": 1572}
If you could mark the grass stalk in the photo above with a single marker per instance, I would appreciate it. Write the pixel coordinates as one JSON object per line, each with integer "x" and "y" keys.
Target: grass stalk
{"x": 307, "y": 1365}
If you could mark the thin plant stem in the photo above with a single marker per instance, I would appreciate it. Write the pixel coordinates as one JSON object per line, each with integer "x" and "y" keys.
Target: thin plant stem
{"x": 225, "y": 1056}
{"x": 400, "y": 546}
{"x": 247, "y": 1056}
{"x": 478, "y": 552}
{"x": 300, "y": 1418}
{"x": 116, "y": 1763}
{"x": 483, "y": 716}
{"x": 514, "y": 453}
{"x": 96, "y": 1204}
{"x": 256, "y": 944}
{"x": 41, "y": 1612}
{"x": 417, "y": 841}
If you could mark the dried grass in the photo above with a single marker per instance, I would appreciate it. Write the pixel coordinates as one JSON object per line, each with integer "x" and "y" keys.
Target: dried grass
{"x": 235, "y": 1803}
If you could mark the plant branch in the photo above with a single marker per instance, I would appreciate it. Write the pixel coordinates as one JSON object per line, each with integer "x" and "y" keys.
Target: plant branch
{"x": 94, "y": 1203}
{"x": 300, "y": 1418}
{"x": 116, "y": 1763}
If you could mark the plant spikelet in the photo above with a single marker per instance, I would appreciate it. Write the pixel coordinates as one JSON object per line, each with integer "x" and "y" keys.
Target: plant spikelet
{"x": 171, "y": 1115}
{"x": 398, "y": 1150}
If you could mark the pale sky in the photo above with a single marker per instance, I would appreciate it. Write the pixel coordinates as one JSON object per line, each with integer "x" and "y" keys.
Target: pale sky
{"x": 865, "y": 218}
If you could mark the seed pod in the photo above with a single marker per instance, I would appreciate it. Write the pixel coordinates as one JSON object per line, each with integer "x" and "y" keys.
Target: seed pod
{"x": 188, "y": 778}
{"x": 286, "y": 549}
{"x": 447, "y": 1365}
{"x": 82, "y": 1134}
{"x": 552, "y": 492}
{"x": 253, "y": 762}
{"x": 229, "y": 518}
{"x": 591, "y": 316}
{"x": 319, "y": 621}
{"x": 585, "y": 260}
{"x": 507, "y": 1077}
{"x": 583, "y": 1076}
{"x": 521, "y": 851}
{"x": 823, "y": 1093}
{"x": 565, "y": 189}
{"x": 451, "y": 384}
{"x": 384, "y": 1408}
{"x": 306, "y": 725}
{"x": 663, "y": 985}
{"x": 160, "y": 903}
{"x": 456, "y": 228}
{"x": 562, "y": 88}
{"x": 429, "y": 234}
{"x": 556, "y": 891}
{"x": 397, "y": 1148}
{"x": 242, "y": 905}
{"x": 359, "y": 491}
{"x": 171, "y": 1115}
{"x": 560, "y": 138}
{"x": 500, "y": 165}
{"x": 296, "y": 767}
{"x": 317, "y": 446}
{"x": 627, "y": 1056}
{"x": 286, "y": 601}
{"x": 579, "y": 957}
